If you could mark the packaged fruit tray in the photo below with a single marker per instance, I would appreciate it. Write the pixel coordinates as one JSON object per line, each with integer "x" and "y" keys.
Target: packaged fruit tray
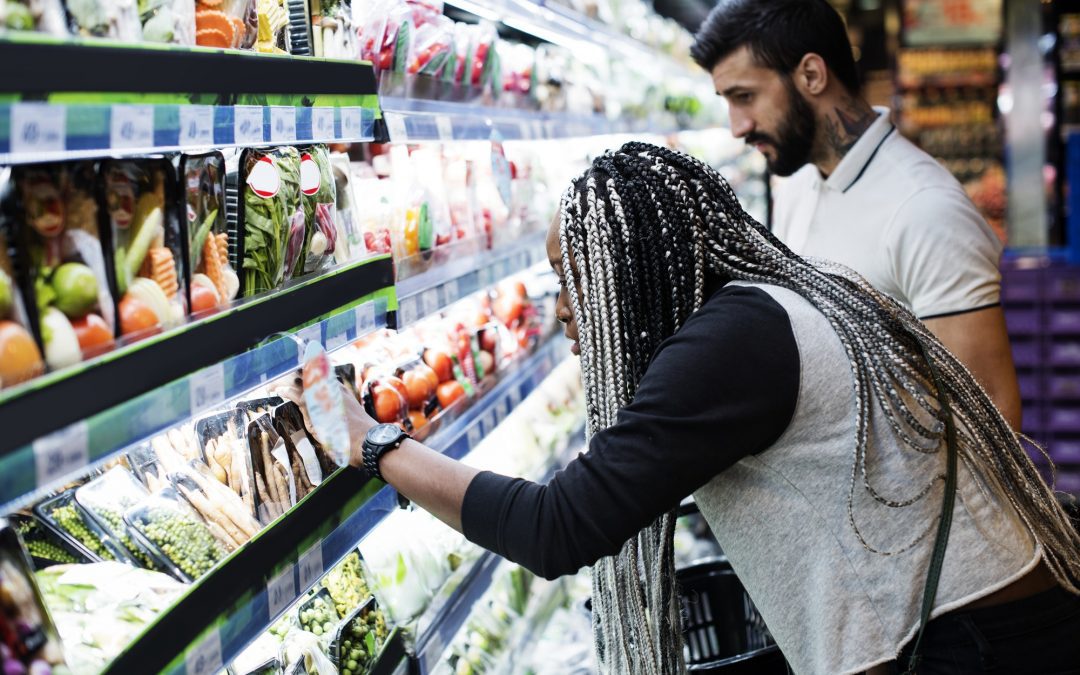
{"x": 64, "y": 517}
{"x": 165, "y": 524}
{"x": 360, "y": 639}
{"x": 317, "y": 614}
{"x": 45, "y": 547}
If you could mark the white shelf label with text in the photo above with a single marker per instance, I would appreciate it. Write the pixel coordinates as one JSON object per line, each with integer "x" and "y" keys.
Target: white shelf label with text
{"x": 322, "y": 124}
{"x": 131, "y": 126}
{"x": 282, "y": 124}
{"x": 206, "y": 388}
{"x": 310, "y": 334}
{"x": 247, "y": 124}
{"x": 61, "y": 453}
{"x": 352, "y": 123}
{"x": 311, "y": 566}
{"x": 365, "y": 319}
{"x": 196, "y": 125}
{"x": 280, "y": 592}
{"x": 38, "y": 127}
{"x": 205, "y": 659}
{"x": 395, "y": 126}
{"x": 445, "y": 128}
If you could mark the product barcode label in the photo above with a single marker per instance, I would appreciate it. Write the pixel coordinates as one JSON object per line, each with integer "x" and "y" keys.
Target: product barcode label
{"x": 196, "y": 125}
{"x": 365, "y": 319}
{"x": 281, "y": 592}
{"x": 61, "y": 453}
{"x": 131, "y": 126}
{"x": 322, "y": 124}
{"x": 206, "y": 388}
{"x": 205, "y": 659}
{"x": 282, "y": 124}
{"x": 445, "y": 128}
{"x": 38, "y": 127}
{"x": 247, "y": 125}
{"x": 311, "y": 566}
{"x": 395, "y": 126}
{"x": 352, "y": 124}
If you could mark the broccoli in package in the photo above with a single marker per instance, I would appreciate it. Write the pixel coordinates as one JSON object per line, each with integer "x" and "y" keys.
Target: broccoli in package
{"x": 318, "y": 192}
{"x": 273, "y": 218}
{"x": 214, "y": 283}
{"x": 63, "y": 265}
{"x": 146, "y": 244}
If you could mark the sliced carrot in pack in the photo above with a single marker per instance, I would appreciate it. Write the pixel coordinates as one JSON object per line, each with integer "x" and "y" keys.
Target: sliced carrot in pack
{"x": 210, "y": 19}
{"x": 211, "y": 37}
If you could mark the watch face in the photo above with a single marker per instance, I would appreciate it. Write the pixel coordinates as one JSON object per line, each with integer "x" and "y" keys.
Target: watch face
{"x": 384, "y": 433}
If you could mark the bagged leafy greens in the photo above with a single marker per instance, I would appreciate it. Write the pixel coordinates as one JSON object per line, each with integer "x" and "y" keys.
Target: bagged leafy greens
{"x": 273, "y": 218}
{"x": 318, "y": 192}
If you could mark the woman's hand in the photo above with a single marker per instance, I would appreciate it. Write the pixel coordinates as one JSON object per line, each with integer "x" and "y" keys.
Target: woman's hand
{"x": 357, "y": 420}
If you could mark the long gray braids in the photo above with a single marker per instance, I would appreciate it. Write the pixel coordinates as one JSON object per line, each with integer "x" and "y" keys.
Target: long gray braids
{"x": 646, "y": 229}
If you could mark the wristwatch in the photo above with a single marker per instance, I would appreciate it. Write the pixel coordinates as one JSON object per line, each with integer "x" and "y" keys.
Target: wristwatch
{"x": 380, "y": 439}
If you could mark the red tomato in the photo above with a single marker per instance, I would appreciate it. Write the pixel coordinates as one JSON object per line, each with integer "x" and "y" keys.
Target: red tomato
{"x": 440, "y": 362}
{"x": 489, "y": 340}
{"x": 395, "y": 383}
{"x": 95, "y": 336}
{"x": 203, "y": 298}
{"x": 449, "y": 392}
{"x": 508, "y": 308}
{"x": 418, "y": 388}
{"x": 137, "y": 317}
{"x": 388, "y": 405}
{"x": 428, "y": 374}
{"x": 418, "y": 419}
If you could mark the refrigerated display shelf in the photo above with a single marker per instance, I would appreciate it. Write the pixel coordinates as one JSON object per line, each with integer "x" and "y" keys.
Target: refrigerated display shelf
{"x": 77, "y": 100}
{"x": 60, "y": 423}
{"x": 226, "y": 610}
{"x": 428, "y": 292}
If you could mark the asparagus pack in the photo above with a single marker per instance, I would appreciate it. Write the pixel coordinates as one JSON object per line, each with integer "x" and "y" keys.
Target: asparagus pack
{"x": 224, "y": 450}
{"x": 274, "y": 482}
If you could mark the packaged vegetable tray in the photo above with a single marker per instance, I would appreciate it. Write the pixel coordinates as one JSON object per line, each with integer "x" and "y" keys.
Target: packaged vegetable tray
{"x": 275, "y": 484}
{"x": 139, "y": 205}
{"x": 105, "y": 499}
{"x": 62, "y": 262}
{"x": 223, "y": 444}
{"x": 318, "y": 193}
{"x": 359, "y": 639}
{"x": 271, "y": 218}
{"x": 317, "y": 614}
{"x": 61, "y": 514}
{"x": 167, "y": 525}
{"x": 346, "y": 584}
{"x": 167, "y": 21}
{"x": 306, "y": 461}
{"x": 228, "y": 24}
{"x": 39, "y": 16}
{"x": 45, "y": 547}
{"x": 115, "y": 19}
{"x": 213, "y": 283}
{"x": 22, "y": 357}
{"x": 30, "y": 641}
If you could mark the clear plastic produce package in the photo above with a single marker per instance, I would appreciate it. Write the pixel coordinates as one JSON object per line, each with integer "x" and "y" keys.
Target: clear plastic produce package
{"x": 214, "y": 283}
{"x": 168, "y": 525}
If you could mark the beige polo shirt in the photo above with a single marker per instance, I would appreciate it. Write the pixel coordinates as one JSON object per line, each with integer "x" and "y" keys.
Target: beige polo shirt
{"x": 897, "y": 217}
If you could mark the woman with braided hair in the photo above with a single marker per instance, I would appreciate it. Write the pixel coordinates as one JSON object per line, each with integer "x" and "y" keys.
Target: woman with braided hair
{"x": 876, "y": 506}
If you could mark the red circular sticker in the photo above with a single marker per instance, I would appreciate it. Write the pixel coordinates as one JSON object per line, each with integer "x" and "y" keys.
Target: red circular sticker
{"x": 264, "y": 179}
{"x": 309, "y": 175}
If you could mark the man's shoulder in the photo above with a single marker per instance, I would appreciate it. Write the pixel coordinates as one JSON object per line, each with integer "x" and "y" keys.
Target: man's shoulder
{"x": 909, "y": 169}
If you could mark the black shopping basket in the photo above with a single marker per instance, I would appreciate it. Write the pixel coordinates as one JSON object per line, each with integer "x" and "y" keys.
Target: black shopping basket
{"x": 724, "y": 631}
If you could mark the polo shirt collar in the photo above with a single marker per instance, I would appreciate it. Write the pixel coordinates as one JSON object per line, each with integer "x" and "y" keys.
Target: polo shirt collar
{"x": 854, "y": 163}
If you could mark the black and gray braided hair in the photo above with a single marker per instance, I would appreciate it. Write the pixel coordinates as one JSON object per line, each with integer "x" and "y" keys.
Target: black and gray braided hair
{"x": 647, "y": 229}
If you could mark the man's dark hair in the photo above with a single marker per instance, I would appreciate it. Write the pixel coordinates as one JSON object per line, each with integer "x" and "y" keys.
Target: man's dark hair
{"x": 779, "y": 34}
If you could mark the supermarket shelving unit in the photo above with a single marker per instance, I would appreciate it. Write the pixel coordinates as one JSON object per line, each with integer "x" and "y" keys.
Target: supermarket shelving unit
{"x": 194, "y": 98}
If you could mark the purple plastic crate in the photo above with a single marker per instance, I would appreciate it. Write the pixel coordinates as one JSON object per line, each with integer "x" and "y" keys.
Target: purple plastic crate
{"x": 1023, "y": 321}
{"x": 1068, "y": 481}
{"x": 1032, "y": 420}
{"x": 1065, "y": 450}
{"x": 1021, "y": 286}
{"x": 1026, "y": 353}
{"x": 1063, "y": 284}
{"x": 1065, "y": 321}
{"x": 1063, "y": 419}
{"x": 1061, "y": 386}
{"x": 1063, "y": 353}
{"x": 1030, "y": 386}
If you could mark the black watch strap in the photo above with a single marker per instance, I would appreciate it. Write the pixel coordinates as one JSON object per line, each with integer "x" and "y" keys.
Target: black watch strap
{"x": 372, "y": 453}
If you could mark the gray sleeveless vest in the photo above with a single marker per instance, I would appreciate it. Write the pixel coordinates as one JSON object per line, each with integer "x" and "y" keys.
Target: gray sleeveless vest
{"x": 782, "y": 518}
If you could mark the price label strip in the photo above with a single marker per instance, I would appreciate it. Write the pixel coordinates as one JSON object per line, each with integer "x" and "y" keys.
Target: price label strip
{"x": 282, "y": 124}
{"x": 280, "y": 592}
{"x": 206, "y": 388}
{"x": 322, "y": 124}
{"x": 205, "y": 659}
{"x": 196, "y": 125}
{"x": 365, "y": 319}
{"x": 352, "y": 124}
{"x": 248, "y": 125}
{"x": 430, "y": 301}
{"x": 311, "y": 567}
{"x": 395, "y": 126}
{"x": 38, "y": 127}
{"x": 312, "y": 333}
{"x": 444, "y": 127}
{"x": 61, "y": 453}
{"x": 131, "y": 126}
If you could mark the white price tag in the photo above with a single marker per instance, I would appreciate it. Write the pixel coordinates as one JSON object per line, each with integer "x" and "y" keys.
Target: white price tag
{"x": 451, "y": 291}
{"x": 61, "y": 453}
{"x": 207, "y": 388}
{"x": 310, "y": 334}
{"x": 489, "y": 421}
{"x": 322, "y": 124}
{"x": 311, "y": 566}
{"x": 395, "y": 126}
{"x": 352, "y": 124}
{"x": 206, "y": 658}
{"x": 282, "y": 124}
{"x": 538, "y": 130}
{"x": 474, "y": 436}
{"x": 248, "y": 125}
{"x": 338, "y": 340}
{"x": 430, "y": 301}
{"x": 38, "y": 127}
{"x": 500, "y": 411}
{"x": 408, "y": 310}
{"x": 132, "y": 126}
{"x": 515, "y": 398}
{"x": 445, "y": 128}
{"x": 365, "y": 319}
{"x": 196, "y": 125}
{"x": 281, "y": 592}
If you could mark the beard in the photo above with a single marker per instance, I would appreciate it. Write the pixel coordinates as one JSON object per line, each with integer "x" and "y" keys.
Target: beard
{"x": 794, "y": 139}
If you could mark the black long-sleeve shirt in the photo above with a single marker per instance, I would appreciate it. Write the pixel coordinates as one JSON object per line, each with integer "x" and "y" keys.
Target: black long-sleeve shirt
{"x": 724, "y": 387}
